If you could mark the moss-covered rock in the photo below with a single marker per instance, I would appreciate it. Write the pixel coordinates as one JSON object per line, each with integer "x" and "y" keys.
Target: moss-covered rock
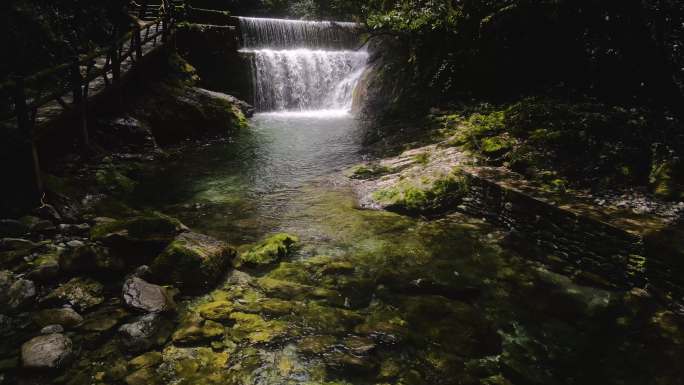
{"x": 270, "y": 250}
{"x": 427, "y": 195}
{"x": 139, "y": 238}
{"x": 45, "y": 267}
{"x": 193, "y": 262}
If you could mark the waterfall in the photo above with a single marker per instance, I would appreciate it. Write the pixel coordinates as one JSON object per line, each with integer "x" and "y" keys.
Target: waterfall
{"x": 302, "y": 65}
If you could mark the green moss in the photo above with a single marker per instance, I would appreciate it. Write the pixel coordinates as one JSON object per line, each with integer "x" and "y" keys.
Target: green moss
{"x": 192, "y": 261}
{"x": 256, "y": 329}
{"x": 215, "y": 310}
{"x": 112, "y": 180}
{"x": 195, "y": 330}
{"x": 435, "y": 195}
{"x": 146, "y": 360}
{"x": 367, "y": 171}
{"x": 667, "y": 179}
{"x": 496, "y": 145}
{"x": 422, "y": 158}
{"x": 270, "y": 250}
{"x": 320, "y": 319}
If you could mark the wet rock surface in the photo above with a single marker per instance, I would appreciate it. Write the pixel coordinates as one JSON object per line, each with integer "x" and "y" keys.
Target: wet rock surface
{"x": 141, "y": 295}
{"x": 50, "y": 351}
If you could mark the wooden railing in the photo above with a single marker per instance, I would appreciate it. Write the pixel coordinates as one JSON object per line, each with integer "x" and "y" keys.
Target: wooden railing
{"x": 31, "y": 100}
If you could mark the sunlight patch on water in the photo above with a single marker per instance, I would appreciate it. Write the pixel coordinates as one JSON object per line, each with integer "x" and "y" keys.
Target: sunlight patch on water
{"x": 321, "y": 114}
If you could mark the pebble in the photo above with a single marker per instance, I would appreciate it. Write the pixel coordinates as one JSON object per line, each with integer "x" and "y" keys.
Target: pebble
{"x": 50, "y": 329}
{"x": 75, "y": 243}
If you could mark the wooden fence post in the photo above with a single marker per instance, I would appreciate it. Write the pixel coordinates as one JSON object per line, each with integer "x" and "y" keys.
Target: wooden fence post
{"x": 80, "y": 101}
{"x": 116, "y": 62}
{"x": 25, "y": 126}
{"x": 138, "y": 42}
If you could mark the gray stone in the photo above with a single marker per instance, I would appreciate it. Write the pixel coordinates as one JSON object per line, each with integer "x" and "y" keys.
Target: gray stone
{"x": 70, "y": 229}
{"x": 145, "y": 333}
{"x": 51, "y": 329}
{"x": 47, "y": 351}
{"x": 75, "y": 243}
{"x": 142, "y": 295}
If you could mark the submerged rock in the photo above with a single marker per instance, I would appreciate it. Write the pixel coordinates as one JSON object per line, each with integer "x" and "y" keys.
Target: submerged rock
{"x": 198, "y": 365}
{"x": 192, "y": 261}
{"x": 81, "y": 293}
{"x": 270, "y": 250}
{"x": 66, "y": 317}
{"x": 47, "y": 352}
{"x": 196, "y": 329}
{"x": 141, "y": 295}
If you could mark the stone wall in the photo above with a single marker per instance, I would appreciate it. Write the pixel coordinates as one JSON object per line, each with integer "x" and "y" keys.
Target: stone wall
{"x": 213, "y": 51}
{"x": 582, "y": 247}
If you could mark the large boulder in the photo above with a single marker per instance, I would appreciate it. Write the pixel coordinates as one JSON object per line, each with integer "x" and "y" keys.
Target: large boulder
{"x": 137, "y": 239}
{"x": 176, "y": 112}
{"x": 192, "y": 262}
{"x": 142, "y": 295}
{"x": 49, "y": 351}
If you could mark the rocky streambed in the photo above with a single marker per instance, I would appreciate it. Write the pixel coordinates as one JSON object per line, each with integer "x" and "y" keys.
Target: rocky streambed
{"x": 250, "y": 261}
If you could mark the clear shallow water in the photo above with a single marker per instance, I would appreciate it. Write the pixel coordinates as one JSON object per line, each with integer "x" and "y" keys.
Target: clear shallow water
{"x": 424, "y": 302}
{"x": 243, "y": 188}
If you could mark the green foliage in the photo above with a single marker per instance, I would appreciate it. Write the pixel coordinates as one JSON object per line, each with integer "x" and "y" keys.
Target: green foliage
{"x": 556, "y": 141}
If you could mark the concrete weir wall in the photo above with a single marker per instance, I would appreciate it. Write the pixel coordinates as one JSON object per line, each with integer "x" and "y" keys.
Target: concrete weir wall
{"x": 214, "y": 51}
{"x": 578, "y": 245}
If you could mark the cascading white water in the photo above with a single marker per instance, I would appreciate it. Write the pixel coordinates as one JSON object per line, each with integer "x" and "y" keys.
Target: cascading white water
{"x": 302, "y": 65}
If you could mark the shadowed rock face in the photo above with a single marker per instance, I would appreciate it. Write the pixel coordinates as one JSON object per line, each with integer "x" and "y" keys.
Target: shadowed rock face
{"x": 47, "y": 352}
